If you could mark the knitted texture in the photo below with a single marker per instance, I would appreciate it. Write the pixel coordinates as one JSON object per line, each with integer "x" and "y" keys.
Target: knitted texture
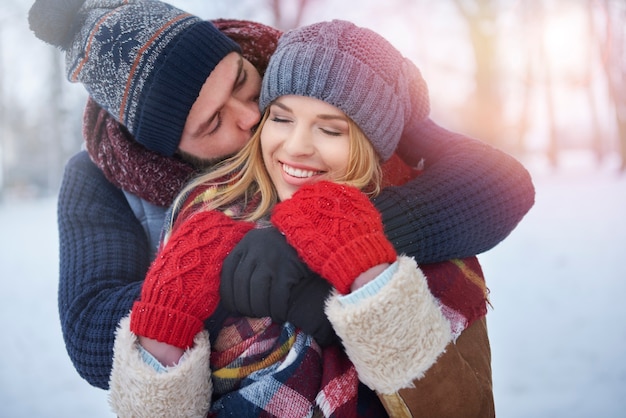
{"x": 104, "y": 254}
{"x": 336, "y": 230}
{"x": 260, "y": 280}
{"x": 103, "y": 257}
{"x": 446, "y": 209}
{"x": 181, "y": 289}
{"x": 127, "y": 164}
{"x": 257, "y": 41}
{"x": 363, "y": 75}
{"x": 144, "y": 61}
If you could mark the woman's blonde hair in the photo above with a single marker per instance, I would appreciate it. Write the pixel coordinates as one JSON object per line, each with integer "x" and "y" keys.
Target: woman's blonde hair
{"x": 244, "y": 176}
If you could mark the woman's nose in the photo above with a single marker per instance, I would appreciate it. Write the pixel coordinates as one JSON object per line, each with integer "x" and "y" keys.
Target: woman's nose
{"x": 298, "y": 141}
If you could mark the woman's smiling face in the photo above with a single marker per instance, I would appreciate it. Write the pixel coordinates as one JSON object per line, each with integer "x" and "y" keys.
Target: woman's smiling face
{"x": 304, "y": 140}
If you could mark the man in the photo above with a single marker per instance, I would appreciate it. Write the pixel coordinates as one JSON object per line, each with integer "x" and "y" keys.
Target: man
{"x": 171, "y": 94}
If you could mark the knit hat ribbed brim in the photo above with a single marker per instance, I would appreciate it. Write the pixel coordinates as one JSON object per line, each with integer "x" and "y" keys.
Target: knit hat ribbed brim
{"x": 355, "y": 70}
{"x": 143, "y": 61}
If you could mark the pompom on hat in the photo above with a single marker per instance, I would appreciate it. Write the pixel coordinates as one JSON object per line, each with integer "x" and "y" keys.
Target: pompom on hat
{"x": 356, "y": 70}
{"x": 144, "y": 61}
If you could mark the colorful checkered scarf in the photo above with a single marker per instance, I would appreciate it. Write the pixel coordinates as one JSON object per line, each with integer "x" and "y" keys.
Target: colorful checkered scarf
{"x": 262, "y": 369}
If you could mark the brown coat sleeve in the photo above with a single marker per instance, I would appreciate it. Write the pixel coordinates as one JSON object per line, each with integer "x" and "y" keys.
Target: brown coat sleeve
{"x": 458, "y": 385}
{"x": 403, "y": 348}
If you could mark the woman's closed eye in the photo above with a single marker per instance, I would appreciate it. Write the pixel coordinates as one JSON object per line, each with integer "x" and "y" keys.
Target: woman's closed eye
{"x": 279, "y": 119}
{"x": 332, "y": 132}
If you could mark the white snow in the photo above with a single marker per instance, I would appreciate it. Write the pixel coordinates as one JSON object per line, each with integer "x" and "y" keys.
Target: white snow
{"x": 557, "y": 283}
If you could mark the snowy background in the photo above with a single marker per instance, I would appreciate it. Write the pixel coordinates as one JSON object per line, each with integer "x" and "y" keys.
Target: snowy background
{"x": 557, "y": 282}
{"x": 557, "y": 286}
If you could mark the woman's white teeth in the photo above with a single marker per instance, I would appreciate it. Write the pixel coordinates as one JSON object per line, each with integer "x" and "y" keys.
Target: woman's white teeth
{"x": 296, "y": 172}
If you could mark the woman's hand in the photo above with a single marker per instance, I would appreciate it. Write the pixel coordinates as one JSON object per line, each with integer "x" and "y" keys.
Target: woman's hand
{"x": 168, "y": 355}
{"x": 336, "y": 230}
{"x": 181, "y": 289}
{"x": 367, "y": 276}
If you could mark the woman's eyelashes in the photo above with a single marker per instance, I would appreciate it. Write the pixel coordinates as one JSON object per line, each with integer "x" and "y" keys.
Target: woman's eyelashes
{"x": 279, "y": 119}
{"x": 331, "y": 132}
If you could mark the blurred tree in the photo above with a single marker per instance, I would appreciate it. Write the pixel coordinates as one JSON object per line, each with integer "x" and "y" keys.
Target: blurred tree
{"x": 38, "y": 135}
{"x": 485, "y": 113}
{"x": 55, "y": 116}
{"x": 545, "y": 75}
{"x": 598, "y": 139}
{"x": 287, "y": 14}
{"x": 612, "y": 43}
{"x": 38, "y": 131}
{"x": 527, "y": 12}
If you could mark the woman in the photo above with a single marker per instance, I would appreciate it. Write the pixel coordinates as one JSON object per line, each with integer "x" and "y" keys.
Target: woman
{"x": 337, "y": 98}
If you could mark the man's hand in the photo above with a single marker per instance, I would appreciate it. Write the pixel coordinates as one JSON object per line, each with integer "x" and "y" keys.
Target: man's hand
{"x": 263, "y": 276}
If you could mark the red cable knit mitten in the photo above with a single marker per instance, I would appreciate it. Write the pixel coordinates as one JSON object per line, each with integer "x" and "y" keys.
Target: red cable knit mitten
{"x": 181, "y": 289}
{"x": 336, "y": 230}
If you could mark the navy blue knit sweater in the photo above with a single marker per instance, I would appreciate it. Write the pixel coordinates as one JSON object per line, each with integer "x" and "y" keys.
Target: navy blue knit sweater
{"x": 469, "y": 197}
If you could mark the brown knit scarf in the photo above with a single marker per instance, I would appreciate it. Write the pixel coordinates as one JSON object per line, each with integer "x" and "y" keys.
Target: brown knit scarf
{"x": 129, "y": 165}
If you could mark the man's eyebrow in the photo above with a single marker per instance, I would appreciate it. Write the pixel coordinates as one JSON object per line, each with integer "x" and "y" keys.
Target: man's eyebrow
{"x": 239, "y": 80}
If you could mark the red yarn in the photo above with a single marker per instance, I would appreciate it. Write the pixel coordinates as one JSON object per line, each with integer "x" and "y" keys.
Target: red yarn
{"x": 181, "y": 289}
{"x": 257, "y": 41}
{"x": 336, "y": 230}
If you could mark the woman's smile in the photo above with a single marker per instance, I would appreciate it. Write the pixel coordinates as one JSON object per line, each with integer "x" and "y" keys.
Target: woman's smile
{"x": 299, "y": 172}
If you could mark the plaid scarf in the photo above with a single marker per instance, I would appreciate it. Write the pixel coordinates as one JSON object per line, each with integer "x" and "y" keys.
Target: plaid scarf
{"x": 262, "y": 369}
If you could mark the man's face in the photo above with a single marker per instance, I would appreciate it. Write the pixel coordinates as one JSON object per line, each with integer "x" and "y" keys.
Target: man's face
{"x": 221, "y": 119}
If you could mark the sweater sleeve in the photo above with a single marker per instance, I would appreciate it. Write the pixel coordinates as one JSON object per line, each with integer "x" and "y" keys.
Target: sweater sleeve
{"x": 104, "y": 257}
{"x": 469, "y": 197}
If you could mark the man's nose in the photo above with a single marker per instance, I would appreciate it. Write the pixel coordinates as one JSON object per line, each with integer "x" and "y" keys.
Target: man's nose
{"x": 246, "y": 113}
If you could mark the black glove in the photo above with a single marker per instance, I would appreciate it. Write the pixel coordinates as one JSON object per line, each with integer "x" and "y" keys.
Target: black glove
{"x": 263, "y": 276}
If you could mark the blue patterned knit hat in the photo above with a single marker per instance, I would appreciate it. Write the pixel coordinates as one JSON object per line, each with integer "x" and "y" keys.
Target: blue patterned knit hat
{"x": 355, "y": 70}
{"x": 143, "y": 61}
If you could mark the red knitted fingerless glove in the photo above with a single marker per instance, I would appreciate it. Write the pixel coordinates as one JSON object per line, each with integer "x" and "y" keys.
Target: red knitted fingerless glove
{"x": 336, "y": 231}
{"x": 181, "y": 289}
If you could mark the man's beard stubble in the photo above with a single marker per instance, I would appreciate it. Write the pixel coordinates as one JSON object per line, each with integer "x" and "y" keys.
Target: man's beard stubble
{"x": 201, "y": 164}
